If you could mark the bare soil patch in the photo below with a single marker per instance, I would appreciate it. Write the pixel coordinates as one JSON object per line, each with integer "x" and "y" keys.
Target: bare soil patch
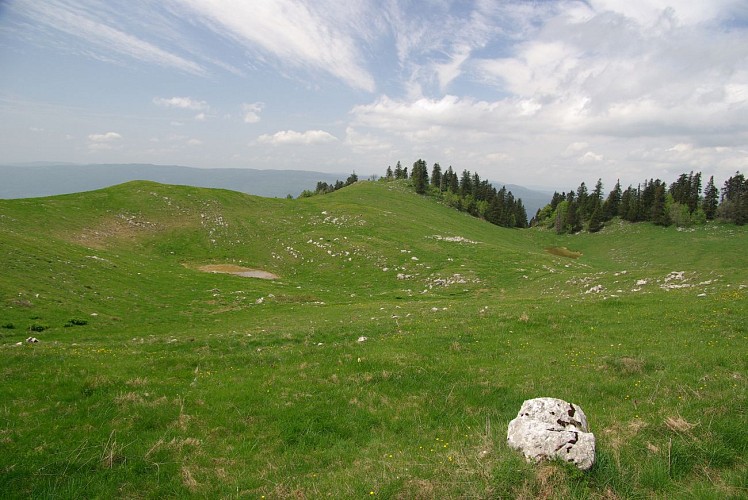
{"x": 244, "y": 272}
{"x": 564, "y": 252}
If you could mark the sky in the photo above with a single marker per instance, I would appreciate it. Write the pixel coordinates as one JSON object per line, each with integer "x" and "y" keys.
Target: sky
{"x": 544, "y": 93}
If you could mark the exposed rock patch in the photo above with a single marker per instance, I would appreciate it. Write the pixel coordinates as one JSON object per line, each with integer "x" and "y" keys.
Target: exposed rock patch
{"x": 245, "y": 272}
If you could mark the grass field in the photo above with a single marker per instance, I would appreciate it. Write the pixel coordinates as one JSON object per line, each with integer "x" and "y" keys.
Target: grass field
{"x": 386, "y": 360}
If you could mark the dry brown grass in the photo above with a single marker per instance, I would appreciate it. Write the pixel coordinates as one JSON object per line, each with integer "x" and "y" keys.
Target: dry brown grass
{"x": 679, "y": 424}
{"x": 188, "y": 480}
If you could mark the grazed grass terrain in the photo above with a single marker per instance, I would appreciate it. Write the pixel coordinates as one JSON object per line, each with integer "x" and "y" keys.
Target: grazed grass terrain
{"x": 386, "y": 359}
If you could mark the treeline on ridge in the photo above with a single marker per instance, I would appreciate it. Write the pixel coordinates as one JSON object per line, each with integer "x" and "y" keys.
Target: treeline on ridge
{"x": 681, "y": 203}
{"x": 466, "y": 192}
{"x": 324, "y": 187}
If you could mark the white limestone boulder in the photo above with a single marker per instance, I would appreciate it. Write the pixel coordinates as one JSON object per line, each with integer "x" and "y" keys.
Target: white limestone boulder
{"x": 548, "y": 428}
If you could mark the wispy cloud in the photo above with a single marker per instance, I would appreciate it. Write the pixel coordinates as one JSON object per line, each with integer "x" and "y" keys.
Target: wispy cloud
{"x": 77, "y": 20}
{"x": 291, "y": 31}
{"x": 292, "y": 137}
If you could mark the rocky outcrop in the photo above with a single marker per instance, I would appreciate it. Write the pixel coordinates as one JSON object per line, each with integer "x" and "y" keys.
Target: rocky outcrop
{"x": 548, "y": 428}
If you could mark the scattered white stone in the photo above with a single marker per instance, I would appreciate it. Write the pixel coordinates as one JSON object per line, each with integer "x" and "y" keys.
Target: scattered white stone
{"x": 595, "y": 289}
{"x": 414, "y": 258}
{"x": 362, "y": 339}
{"x": 260, "y": 300}
{"x": 454, "y": 239}
{"x": 675, "y": 275}
{"x": 548, "y": 428}
{"x": 701, "y": 295}
{"x": 641, "y": 282}
{"x": 32, "y": 340}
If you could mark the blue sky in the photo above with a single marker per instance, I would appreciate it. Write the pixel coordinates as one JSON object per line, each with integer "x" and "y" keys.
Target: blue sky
{"x": 539, "y": 93}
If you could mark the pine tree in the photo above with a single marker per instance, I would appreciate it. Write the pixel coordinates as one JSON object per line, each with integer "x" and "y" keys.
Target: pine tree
{"x": 711, "y": 199}
{"x": 734, "y": 205}
{"x": 613, "y": 202}
{"x": 658, "y": 214}
{"x": 420, "y": 176}
{"x": 694, "y": 191}
{"x": 466, "y": 183}
{"x": 398, "y": 170}
{"x": 573, "y": 218}
{"x": 453, "y": 182}
{"x": 596, "y": 219}
{"x": 436, "y": 176}
{"x": 583, "y": 201}
{"x": 389, "y": 174}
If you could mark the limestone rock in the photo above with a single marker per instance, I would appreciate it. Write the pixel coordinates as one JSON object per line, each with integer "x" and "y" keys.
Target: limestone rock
{"x": 548, "y": 428}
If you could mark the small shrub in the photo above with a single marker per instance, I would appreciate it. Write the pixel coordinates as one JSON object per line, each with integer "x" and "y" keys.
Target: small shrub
{"x": 8, "y": 326}
{"x": 37, "y": 327}
{"x": 76, "y": 322}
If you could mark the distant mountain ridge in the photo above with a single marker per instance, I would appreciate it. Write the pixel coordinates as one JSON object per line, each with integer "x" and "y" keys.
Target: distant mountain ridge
{"x": 48, "y": 179}
{"x": 32, "y": 180}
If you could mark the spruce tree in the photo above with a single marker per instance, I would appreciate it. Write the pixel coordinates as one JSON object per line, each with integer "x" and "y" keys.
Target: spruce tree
{"x": 658, "y": 214}
{"x": 466, "y": 183}
{"x": 596, "y": 219}
{"x": 436, "y": 176}
{"x": 398, "y": 170}
{"x": 711, "y": 199}
{"x": 613, "y": 202}
{"x": 420, "y": 176}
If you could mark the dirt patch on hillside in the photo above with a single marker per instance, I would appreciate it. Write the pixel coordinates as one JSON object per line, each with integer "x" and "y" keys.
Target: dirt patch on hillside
{"x": 563, "y": 252}
{"x": 244, "y": 272}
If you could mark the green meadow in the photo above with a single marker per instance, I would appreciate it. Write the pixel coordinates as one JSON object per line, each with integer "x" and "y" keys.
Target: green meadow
{"x": 386, "y": 359}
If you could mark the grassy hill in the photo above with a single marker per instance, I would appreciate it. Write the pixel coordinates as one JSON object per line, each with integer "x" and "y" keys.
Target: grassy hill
{"x": 386, "y": 359}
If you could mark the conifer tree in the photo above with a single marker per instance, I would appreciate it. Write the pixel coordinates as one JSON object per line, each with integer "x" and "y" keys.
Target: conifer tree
{"x": 711, "y": 199}
{"x": 420, "y": 176}
{"x": 613, "y": 202}
{"x": 436, "y": 176}
{"x": 658, "y": 214}
{"x": 466, "y": 183}
{"x": 398, "y": 170}
{"x": 453, "y": 182}
{"x": 596, "y": 219}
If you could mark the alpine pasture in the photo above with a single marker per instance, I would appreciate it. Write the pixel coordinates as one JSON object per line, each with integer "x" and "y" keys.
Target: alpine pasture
{"x": 397, "y": 340}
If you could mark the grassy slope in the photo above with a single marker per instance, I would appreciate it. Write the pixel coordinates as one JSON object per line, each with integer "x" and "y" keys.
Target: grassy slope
{"x": 186, "y": 382}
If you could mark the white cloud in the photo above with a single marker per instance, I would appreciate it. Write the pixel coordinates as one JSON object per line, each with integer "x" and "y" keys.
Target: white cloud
{"x": 105, "y": 137}
{"x": 200, "y": 117}
{"x": 181, "y": 103}
{"x": 298, "y": 33}
{"x": 292, "y": 137}
{"x": 252, "y": 111}
{"x": 104, "y": 142}
{"x": 590, "y": 157}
